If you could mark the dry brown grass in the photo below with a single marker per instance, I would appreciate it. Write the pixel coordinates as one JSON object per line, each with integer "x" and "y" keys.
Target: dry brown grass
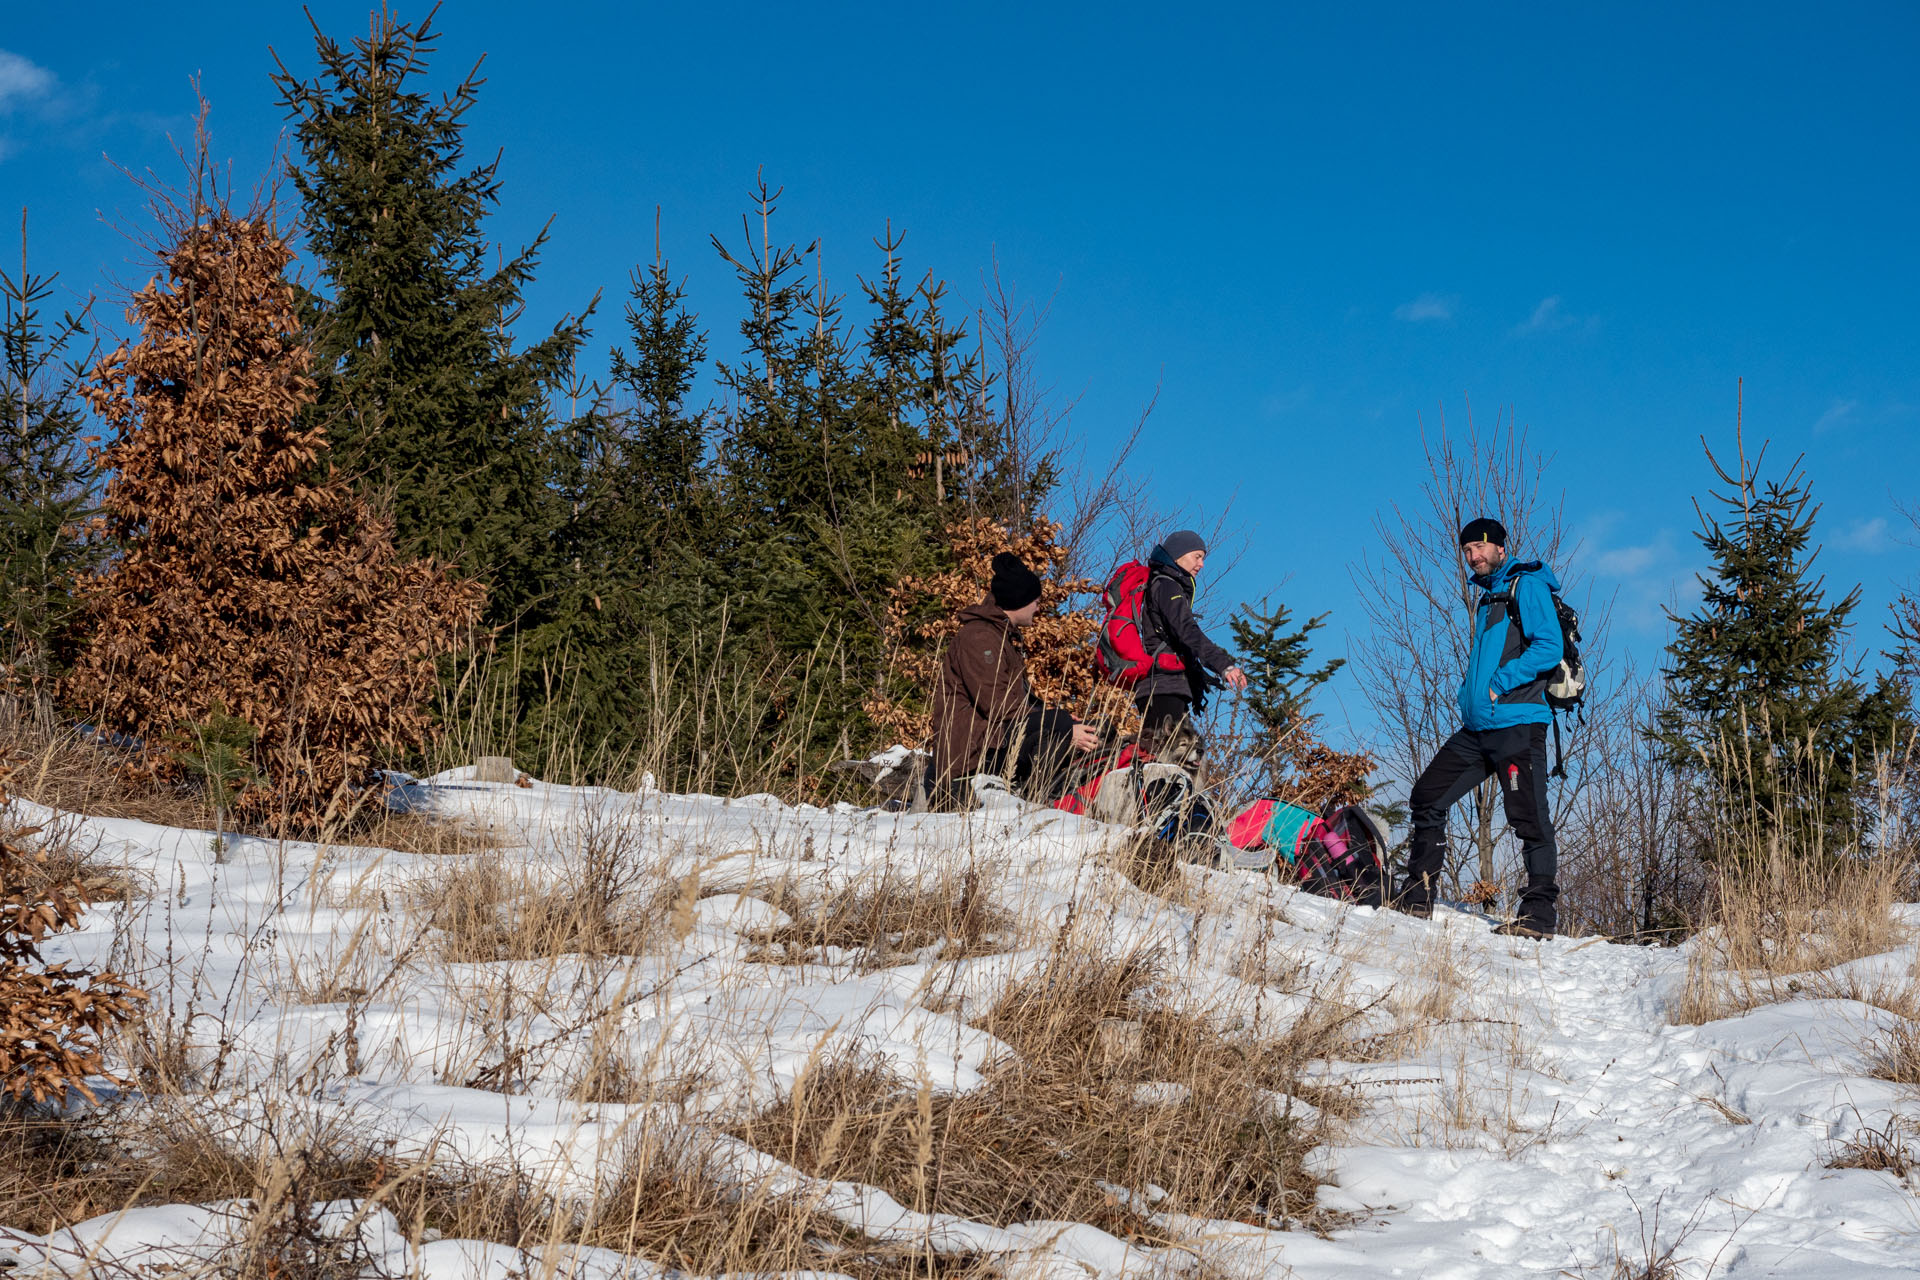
{"x": 1772, "y": 924}
{"x": 1102, "y": 1093}
{"x": 1895, "y": 1053}
{"x": 1893, "y": 1148}
{"x": 1152, "y": 865}
{"x": 664, "y": 1196}
{"x": 894, "y": 919}
{"x": 608, "y": 897}
{"x": 428, "y": 835}
{"x": 57, "y": 1171}
{"x": 64, "y": 857}
{"x": 66, "y": 770}
{"x": 496, "y": 908}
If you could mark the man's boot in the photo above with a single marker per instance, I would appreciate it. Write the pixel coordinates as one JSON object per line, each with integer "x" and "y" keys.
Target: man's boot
{"x": 1536, "y": 915}
{"x": 1415, "y": 897}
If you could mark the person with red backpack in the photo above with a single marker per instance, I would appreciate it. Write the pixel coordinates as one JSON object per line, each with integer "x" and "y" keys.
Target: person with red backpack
{"x": 1176, "y": 684}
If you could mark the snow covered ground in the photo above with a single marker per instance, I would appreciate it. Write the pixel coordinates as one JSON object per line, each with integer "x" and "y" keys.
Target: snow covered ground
{"x": 1539, "y": 1117}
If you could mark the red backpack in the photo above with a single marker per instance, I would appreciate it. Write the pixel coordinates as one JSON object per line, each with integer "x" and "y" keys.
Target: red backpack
{"x": 1121, "y": 656}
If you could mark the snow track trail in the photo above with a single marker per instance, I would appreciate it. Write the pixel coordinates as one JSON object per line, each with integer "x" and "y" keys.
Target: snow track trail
{"x": 1516, "y": 1108}
{"x": 1574, "y": 1126}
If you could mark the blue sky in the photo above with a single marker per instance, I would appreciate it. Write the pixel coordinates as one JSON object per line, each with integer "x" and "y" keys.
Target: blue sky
{"x": 1313, "y": 228}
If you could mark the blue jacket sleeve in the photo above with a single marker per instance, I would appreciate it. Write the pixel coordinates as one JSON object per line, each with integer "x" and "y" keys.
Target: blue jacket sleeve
{"x": 1541, "y": 624}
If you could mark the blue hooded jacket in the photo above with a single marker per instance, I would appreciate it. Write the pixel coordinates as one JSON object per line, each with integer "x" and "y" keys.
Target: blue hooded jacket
{"x": 1508, "y": 668}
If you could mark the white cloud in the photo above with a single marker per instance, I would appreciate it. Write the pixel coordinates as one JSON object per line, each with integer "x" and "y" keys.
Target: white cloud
{"x": 1280, "y": 402}
{"x": 1869, "y": 537}
{"x": 1624, "y": 562}
{"x": 1552, "y": 316}
{"x": 1641, "y": 579}
{"x": 21, "y": 80}
{"x": 1549, "y": 315}
{"x": 1837, "y": 415}
{"x": 1428, "y": 306}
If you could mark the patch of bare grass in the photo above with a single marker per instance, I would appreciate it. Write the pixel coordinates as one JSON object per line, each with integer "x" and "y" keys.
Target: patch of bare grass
{"x": 63, "y": 857}
{"x": 427, "y": 834}
{"x": 56, "y": 1171}
{"x": 1110, "y": 1112}
{"x": 1892, "y": 1148}
{"x": 666, "y": 1196}
{"x": 1152, "y": 865}
{"x": 1895, "y": 1052}
{"x": 606, "y": 898}
{"x": 69, "y": 770}
{"x": 894, "y": 919}
{"x": 1772, "y": 923}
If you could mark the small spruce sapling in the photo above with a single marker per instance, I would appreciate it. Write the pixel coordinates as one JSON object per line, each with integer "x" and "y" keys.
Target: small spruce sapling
{"x": 219, "y": 752}
{"x": 47, "y": 485}
{"x": 1294, "y": 763}
{"x": 1762, "y": 709}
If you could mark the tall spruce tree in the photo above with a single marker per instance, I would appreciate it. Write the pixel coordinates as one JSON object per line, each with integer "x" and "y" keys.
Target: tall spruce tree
{"x": 660, "y": 452}
{"x": 635, "y": 482}
{"x": 47, "y": 482}
{"x": 832, "y": 472}
{"x": 423, "y": 392}
{"x": 1762, "y": 713}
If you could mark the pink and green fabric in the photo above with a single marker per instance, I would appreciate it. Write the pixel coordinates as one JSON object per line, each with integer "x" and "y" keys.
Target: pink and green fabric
{"x": 1341, "y": 854}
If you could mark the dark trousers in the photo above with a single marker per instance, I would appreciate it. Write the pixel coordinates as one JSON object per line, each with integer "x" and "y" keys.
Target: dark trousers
{"x": 1517, "y": 756}
{"x": 1162, "y": 714}
{"x": 1035, "y": 759}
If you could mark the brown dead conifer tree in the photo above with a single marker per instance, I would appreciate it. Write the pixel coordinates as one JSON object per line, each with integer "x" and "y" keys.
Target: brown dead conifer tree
{"x": 250, "y": 582}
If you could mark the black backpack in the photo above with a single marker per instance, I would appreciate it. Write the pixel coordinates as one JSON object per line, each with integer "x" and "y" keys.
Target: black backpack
{"x": 1566, "y": 683}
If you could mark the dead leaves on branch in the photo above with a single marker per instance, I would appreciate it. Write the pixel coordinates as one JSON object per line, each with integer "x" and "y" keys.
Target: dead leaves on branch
{"x": 54, "y": 1015}
{"x": 251, "y": 577}
{"x": 922, "y": 616}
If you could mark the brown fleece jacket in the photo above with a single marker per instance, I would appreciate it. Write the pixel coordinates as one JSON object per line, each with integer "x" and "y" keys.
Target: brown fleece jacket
{"x": 981, "y": 692}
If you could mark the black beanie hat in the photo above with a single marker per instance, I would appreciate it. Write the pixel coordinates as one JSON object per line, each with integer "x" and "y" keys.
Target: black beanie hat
{"x": 1014, "y": 585}
{"x": 1485, "y": 529}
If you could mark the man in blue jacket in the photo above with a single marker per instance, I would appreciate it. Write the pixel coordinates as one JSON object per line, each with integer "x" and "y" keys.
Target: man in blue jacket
{"x": 1504, "y": 714}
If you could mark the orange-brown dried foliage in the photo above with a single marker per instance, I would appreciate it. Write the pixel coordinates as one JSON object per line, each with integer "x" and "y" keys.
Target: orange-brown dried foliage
{"x": 1318, "y": 775}
{"x": 51, "y": 1016}
{"x": 250, "y": 576}
{"x": 922, "y": 617}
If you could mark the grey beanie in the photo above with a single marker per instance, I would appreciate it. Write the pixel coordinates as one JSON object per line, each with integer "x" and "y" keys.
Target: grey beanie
{"x": 1182, "y": 541}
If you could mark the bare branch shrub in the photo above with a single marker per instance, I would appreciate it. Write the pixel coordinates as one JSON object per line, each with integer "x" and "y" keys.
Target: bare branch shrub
{"x": 1627, "y": 868}
{"x": 922, "y": 616}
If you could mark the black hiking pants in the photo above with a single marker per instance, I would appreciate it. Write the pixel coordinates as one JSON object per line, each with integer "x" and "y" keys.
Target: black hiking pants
{"x": 1517, "y": 756}
{"x": 1035, "y": 760}
{"x": 1161, "y": 715}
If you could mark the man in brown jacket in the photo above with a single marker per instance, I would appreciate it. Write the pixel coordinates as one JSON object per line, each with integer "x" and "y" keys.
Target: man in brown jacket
{"x": 985, "y": 719}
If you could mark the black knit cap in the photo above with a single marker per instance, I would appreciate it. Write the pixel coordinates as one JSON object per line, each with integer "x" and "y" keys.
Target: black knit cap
{"x": 1014, "y": 585}
{"x": 1485, "y": 529}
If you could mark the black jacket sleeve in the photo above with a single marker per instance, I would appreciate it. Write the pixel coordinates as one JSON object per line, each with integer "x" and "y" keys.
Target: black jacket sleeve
{"x": 1173, "y": 611}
